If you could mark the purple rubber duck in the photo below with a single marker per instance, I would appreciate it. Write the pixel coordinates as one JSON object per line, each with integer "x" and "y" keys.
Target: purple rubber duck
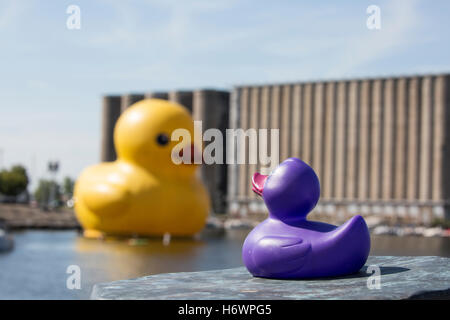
{"x": 286, "y": 245}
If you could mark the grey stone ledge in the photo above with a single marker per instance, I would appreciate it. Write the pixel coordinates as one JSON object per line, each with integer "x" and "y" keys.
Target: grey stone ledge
{"x": 422, "y": 277}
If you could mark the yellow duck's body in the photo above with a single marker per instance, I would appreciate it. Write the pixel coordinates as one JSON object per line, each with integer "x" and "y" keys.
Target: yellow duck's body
{"x": 144, "y": 192}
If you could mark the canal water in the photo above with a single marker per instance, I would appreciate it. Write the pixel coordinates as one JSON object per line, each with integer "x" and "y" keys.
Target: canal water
{"x": 37, "y": 267}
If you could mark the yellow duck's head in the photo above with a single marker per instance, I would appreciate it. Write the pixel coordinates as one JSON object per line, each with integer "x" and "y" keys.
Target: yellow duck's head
{"x": 143, "y": 135}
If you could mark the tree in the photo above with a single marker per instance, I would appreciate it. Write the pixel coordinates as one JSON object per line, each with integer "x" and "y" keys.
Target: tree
{"x": 43, "y": 193}
{"x": 13, "y": 182}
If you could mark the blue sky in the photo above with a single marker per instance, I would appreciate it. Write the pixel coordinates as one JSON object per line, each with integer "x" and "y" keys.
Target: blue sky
{"x": 52, "y": 78}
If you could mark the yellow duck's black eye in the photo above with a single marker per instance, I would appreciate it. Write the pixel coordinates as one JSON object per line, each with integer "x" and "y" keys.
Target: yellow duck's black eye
{"x": 162, "y": 139}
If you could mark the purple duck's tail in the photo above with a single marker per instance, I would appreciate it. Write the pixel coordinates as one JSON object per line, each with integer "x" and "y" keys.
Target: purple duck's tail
{"x": 352, "y": 242}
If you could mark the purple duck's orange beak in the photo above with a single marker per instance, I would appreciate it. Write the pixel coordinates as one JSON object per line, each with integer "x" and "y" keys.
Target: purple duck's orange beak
{"x": 258, "y": 181}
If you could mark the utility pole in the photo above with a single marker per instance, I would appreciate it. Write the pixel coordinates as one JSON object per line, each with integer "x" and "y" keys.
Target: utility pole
{"x": 33, "y": 169}
{"x": 53, "y": 168}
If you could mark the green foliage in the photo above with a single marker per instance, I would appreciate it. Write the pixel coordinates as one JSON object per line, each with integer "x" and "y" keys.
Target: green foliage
{"x": 445, "y": 224}
{"x": 44, "y": 191}
{"x": 13, "y": 182}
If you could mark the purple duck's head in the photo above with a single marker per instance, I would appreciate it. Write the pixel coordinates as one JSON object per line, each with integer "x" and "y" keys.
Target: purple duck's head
{"x": 290, "y": 192}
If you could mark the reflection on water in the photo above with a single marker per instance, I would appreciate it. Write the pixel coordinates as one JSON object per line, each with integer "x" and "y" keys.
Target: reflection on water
{"x": 410, "y": 246}
{"x": 36, "y": 268}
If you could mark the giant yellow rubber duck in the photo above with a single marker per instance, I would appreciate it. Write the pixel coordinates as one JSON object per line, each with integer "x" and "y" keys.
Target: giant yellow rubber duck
{"x": 144, "y": 192}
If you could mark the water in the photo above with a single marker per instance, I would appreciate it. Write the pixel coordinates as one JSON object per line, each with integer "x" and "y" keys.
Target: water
{"x": 36, "y": 268}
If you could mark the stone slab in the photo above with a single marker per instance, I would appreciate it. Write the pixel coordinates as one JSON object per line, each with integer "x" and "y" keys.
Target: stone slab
{"x": 401, "y": 278}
